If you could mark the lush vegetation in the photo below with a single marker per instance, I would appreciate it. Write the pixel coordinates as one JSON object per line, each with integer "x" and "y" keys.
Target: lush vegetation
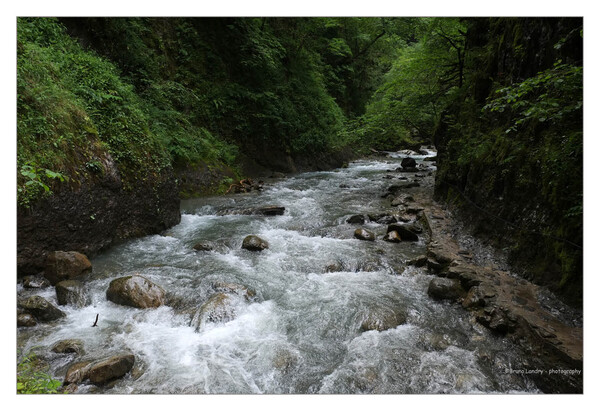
{"x": 32, "y": 377}
{"x": 500, "y": 97}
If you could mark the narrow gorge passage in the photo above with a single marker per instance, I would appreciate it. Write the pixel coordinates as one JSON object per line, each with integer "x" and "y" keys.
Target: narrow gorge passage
{"x": 302, "y": 331}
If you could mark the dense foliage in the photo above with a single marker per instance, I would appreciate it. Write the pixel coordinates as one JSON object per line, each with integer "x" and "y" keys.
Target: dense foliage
{"x": 159, "y": 92}
{"x": 32, "y": 377}
{"x": 511, "y": 142}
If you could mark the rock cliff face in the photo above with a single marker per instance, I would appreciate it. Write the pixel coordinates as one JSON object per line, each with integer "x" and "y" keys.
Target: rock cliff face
{"x": 94, "y": 216}
{"x": 519, "y": 186}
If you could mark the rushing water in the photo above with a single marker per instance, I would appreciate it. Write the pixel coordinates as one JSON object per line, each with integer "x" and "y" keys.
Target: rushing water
{"x": 301, "y": 334}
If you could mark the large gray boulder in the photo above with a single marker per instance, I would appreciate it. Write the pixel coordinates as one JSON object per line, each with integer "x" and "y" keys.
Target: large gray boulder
{"x": 135, "y": 291}
{"x": 72, "y": 292}
{"x": 41, "y": 309}
{"x": 254, "y": 243}
{"x": 65, "y": 265}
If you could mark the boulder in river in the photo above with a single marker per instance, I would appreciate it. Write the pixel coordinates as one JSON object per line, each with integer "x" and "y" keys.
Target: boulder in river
{"x": 356, "y": 219}
{"x": 445, "y": 289}
{"x": 408, "y": 162}
{"x": 110, "y": 369}
{"x": 35, "y": 281}
{"x": 41, "y": 309}
{"x": 392, "y": 237}
{"x": 363, "y": 234}
{"x": 237, "y": 289}
{"x": 382, "y": 318}
{"x": 135, "y": 291}
{"x": 65, "y": 265}
{"x": 254, "y": 243}
{"x": 68, "y": 346}
{"x": 204, "y": 246}
{"x": 72, "y": 292}
{"x": 266, "y": 211}
{"x": 408, "y": 232}
{"x": 334, "y": 266}
{"x": 77, "y": 373}
{"x": 219, "y": 308}
{"x": 25, "y": 320}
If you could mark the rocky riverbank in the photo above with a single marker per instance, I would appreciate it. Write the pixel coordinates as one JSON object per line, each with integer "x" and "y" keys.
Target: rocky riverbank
{"x": 479, "y": 279}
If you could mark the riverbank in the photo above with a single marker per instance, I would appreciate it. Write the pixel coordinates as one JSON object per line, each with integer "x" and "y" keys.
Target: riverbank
{"x": 517, "y": 309}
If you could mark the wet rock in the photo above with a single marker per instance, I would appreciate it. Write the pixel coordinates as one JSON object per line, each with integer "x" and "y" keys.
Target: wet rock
{"x": 496, "y": 319}
{"x": 467, "y": 276}
{"x": 419, "y": 261}
{"x": 112, "y": 368}
{"x": 266, "y": 211}
{"x": 25, "y": 320}
{"x": 233, "y": 288}
{"x": 407, "y": 169}
{"x": 135, "y": 291}
{"x": 408, "y": 162}
{"x": 219, "y": 308}
{"x": 356, "y": 219}
{"x": 406, "y": 231}
{"x": 474, "y": 299}
{"x": 430, "y": 159}
{"x": 382, "y": 318}
{"x": 204, "y": 246}
{"x": 68, "y": 346}
{"x": 434, "y": 266}
{"x": 254, "y": 243}
{"x": 402, "y": 199}
{"x": 284, "y": 360}
{"x": 363, "y": 234}
{"x": 414, "y": 210}
{"x": 397, "y": 188}
{"x": 392, "y": 237}
{"x": 77, "y": 373}
{"x": 41, "y": 309}
{"x": 34, "y": 281}
{"x": 72, "y": 292}
{"x": 334, "y": 266}
{"x": 445, "y": 289}
{"x": 65, "y": 265}
{"x": 382, "y": 218}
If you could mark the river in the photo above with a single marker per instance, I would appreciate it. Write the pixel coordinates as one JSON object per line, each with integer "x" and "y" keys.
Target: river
{"x": 301, "y": 333}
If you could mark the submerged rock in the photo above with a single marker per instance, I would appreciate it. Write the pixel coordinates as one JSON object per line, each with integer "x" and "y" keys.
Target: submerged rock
{"x": 445, "y": 289}
{"x": 408, "y": 232}
{"x": 34, "y": 281}
{"x": 219, "y": 308}
{"x": 334, "y": 266}
{"x": 382, "y": 318}
{"x": 41, "y": 309}
{"x": 254, "y": 243}
{"x": 204, "y": 246}
{"x": 392, "y": 237}
{"x": 25, "y": 320}
{"x": 408, "y": 162}
{"x": 266, "y": 211}
{"x": 237, "y": 289}
{"x": 65, "y": 265}
{"x": 356, "y": 219}
{"x": 72, "y": 292}
{"x": 68, "y": 346}
{"x": 363, "y": 234}
{"x": 135, "y": 291}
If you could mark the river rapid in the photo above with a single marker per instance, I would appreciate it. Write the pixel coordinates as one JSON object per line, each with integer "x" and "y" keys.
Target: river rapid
{"x": 301, "y": 333}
